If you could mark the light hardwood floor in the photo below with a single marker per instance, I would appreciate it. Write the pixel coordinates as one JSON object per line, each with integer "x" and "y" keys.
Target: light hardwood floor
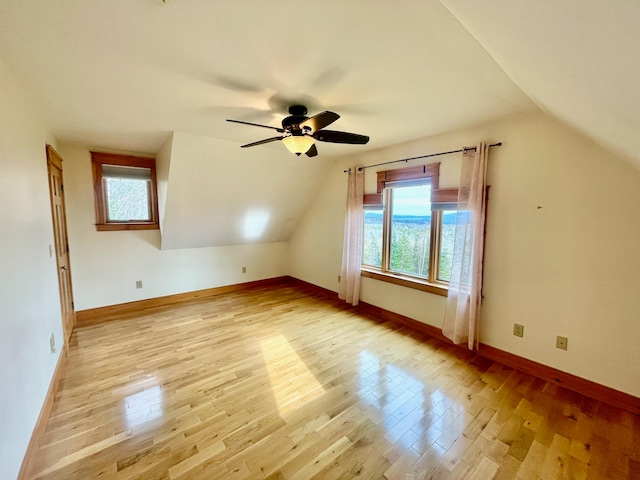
{"x": 276, "y": 383}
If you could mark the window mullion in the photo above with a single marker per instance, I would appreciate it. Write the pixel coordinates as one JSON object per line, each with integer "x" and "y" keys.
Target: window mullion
{"x": 386, "y": 229}
{"x": 150, "y": 200}
{"x": 434, "y": 252}
{"x": 105, "y": 199}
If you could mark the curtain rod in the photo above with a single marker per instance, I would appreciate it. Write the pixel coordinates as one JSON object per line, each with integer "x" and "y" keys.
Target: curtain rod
{"x": 499, "y": 144}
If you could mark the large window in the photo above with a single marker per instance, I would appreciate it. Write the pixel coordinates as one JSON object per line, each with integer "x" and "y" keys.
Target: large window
{"x": 409, "y": 227}
{"x": 125, "y": 192}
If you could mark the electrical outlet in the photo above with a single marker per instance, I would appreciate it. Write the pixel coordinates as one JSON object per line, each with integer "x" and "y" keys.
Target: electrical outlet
{"x": 52, "y": 343}
{"x": 244, "y": 269}
{"x": 561, "y": 342}
{"x": 518, "y": 330}
{"x": 138, "y": 283}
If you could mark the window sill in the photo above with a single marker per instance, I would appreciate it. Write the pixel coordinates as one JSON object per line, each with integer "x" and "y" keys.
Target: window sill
{"x": 406, "y": 282}
{"x": 104, "y": 227}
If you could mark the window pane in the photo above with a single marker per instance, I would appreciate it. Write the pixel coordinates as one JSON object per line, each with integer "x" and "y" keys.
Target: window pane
{"x": 127, "y": 200}
{"x": 411, "y": 230}
{"x": 372, "y": 244}
{"x": 446, "y": 244}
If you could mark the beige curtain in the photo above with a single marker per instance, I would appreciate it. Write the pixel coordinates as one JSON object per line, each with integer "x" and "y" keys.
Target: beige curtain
{"x": 462, "y": 316}
{"x": 349, "y": 288}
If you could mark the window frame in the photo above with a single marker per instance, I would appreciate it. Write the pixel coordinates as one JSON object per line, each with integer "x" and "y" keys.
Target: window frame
{"x": 382, "y": 198}
{"x": 99, "y": 187}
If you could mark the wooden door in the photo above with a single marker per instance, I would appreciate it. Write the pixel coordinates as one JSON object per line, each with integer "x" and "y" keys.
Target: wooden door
{"x": 58, "y": 212}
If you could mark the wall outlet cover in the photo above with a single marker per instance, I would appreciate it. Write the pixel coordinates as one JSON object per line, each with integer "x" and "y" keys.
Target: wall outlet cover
{"x": 562, "y": 342}
{"x": 518, "y": 330}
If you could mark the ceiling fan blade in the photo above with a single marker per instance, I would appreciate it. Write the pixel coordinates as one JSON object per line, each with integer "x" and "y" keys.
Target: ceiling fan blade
{"x": 312, "y": 152}
{"x": 340, "y": 137}
{"x": 320, "y": 120}
{"x": 257, "y": 125}
{"x": 268, "y": 140}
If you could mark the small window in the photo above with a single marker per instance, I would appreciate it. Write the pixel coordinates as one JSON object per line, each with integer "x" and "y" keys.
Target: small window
{"x": 125, "y": 192}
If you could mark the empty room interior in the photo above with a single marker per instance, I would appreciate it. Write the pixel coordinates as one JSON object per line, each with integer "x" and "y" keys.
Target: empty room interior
{"x": 278, "y": 240}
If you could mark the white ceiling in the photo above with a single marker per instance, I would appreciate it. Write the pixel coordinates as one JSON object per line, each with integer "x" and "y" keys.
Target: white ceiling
{"x": 124, "y": 74}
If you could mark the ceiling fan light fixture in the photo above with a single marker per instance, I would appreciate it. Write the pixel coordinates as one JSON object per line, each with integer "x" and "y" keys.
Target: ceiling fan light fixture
{"x": 298, "y": 144}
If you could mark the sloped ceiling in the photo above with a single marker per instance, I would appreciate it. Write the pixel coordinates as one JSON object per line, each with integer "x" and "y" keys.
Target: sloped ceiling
{"x": 578, "y": 60}
{"x": 125, "y": 74}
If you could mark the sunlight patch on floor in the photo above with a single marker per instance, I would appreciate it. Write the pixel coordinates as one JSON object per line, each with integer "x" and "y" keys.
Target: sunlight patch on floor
{"x": 292, "y": 383}
{"x": 144, "y": 406}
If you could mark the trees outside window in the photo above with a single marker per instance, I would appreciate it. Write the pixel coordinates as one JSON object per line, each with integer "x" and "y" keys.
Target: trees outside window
{"x": 409, "y": 228}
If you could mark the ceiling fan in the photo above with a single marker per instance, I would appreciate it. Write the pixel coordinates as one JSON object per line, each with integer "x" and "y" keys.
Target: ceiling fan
{"x": 299, "y": 131}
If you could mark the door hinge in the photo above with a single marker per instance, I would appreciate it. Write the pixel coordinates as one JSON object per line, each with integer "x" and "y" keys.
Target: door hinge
{"x": 61, "y": 188}
{"x": 67, "y": 248}
{"x": 73, "y": 305}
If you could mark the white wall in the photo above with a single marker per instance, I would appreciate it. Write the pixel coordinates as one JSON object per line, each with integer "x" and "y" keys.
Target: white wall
{"x": 570, "y": 268}
{"x": 219, "y": 194}
{"x": 29, "y": 304}
{"x": 106, "y": 265}
{"x": 163, "y": 164}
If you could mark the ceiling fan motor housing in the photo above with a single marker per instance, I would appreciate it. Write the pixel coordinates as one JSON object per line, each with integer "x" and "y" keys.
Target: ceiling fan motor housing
{"x": 298, "y": 115}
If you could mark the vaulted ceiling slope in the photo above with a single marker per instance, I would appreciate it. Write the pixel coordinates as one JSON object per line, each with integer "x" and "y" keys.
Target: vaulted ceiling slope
{"x": 578, "y": 60}
{"x": 124, "y": 75}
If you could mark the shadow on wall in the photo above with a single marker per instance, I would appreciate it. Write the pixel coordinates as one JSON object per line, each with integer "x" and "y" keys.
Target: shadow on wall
{"x": 151, "y": 237}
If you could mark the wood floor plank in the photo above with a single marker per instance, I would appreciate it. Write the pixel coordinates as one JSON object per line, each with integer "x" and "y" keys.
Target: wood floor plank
{"x": 275, "y": 383}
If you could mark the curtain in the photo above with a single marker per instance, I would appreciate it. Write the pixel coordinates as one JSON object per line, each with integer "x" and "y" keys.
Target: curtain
{"x": 349, "y": 288}
{"x": 462, "y": 316}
